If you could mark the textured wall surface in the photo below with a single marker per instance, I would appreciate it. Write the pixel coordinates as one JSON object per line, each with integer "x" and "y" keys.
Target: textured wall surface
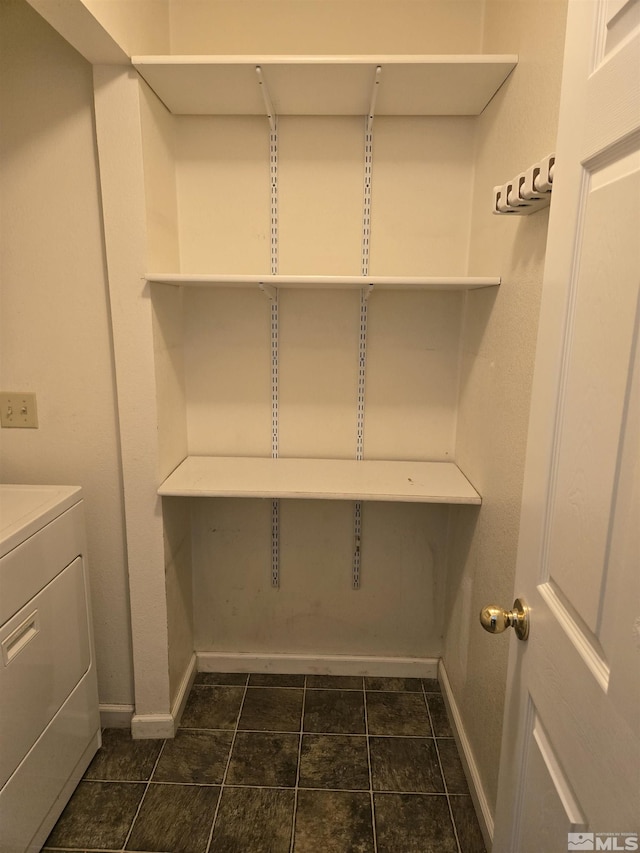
{"x": 516, "y": 130}
{"x": 54, "y": 323}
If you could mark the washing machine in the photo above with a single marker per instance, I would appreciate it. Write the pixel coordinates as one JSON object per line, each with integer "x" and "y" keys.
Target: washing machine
{"x": 49, "y": 717}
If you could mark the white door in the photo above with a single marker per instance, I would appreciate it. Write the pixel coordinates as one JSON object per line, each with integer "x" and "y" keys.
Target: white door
{"x": 570, "y": 760}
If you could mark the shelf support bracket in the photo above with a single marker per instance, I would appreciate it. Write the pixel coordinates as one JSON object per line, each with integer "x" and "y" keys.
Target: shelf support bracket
{"x": 268, "y": 103}
{"x": 374, "y": 95}
{"x": 269, "y": 290}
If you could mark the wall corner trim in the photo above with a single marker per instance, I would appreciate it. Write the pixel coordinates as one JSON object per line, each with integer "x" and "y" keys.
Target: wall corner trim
{"x": 145, "y": 726}
{"x": 152, "y": 726}
{"x": 471, "y": 771}
{"x": 182, "y": 694}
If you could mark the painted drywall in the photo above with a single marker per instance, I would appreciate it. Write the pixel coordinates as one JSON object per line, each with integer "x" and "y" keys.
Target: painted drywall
{"x": 516, "y": 130}
{"x": 422, "y": 168}
{"x": 139, "y": 27}
{"x": 325, "y": 26}
{"x": 117, "y": 98}
{"x": 395, "y": 613}
{"x": 163, "y": 253}
{"x": 54, "y": 323}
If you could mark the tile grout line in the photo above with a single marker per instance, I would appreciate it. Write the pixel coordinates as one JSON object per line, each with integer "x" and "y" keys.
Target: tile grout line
{"x": 444, "y": 781}
{"x": 139, "y": 809}
{"x": 268, "y": 788}
{"x": 297, "y": 785}
{"x": 366, "y": 731}
{"x": 289, "y": 732}
{"x": 226, "y": 769}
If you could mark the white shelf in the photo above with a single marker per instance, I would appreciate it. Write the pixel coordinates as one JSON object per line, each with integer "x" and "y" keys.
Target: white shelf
{"x": 326, "y": 85}
{"x": 329, "y": 282}
{"x": 325, "y": 479}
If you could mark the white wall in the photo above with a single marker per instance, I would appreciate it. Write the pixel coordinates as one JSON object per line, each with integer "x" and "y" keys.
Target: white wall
{"x": 54, "y": 323}
{"x": 325, "y": 26}
{"x": 422, "y": 167}
{"x": 516, "y": 130}
{"x": 138, "y": 26}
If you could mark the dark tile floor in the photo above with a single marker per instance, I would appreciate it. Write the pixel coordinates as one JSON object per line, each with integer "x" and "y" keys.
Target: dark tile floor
{"x": 282, "y": 764}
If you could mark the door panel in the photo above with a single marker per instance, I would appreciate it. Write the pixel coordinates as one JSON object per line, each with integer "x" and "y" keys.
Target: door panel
{"x": 549, "y": 810}
{"x": 571, "y": 748}
{"x": 601, "y": 330}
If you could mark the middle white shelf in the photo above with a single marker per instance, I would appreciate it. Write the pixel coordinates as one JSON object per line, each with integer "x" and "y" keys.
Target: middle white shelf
{"x": 320, "y": 479}
{"x": 328, "y": 282}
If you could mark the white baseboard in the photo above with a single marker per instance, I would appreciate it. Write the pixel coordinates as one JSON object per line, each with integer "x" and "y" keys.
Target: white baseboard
{"x": 116, "y": 716}
{"x": 182, "y": 695}
{"x": 480, "y": 801}
{"x": 318, "y": 664}
{"x": 152, "y": 726}
{"x": 144, "y": 726}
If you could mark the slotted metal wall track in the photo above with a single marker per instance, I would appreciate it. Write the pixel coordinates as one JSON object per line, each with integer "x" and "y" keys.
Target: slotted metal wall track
{"x": 362, "y": 342}
{"x": 275, "y": 504}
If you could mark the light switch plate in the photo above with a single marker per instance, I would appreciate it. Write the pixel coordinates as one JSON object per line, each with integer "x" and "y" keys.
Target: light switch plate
{"x": 18, "y": 409}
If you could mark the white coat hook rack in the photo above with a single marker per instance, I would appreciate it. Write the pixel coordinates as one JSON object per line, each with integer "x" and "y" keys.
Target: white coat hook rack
{"x": 527, "y": 192}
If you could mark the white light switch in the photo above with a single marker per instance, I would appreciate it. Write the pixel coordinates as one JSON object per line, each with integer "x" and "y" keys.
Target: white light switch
{"x": 18, "y": 409}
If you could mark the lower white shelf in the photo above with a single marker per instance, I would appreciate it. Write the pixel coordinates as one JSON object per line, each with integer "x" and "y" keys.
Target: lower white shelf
{"x": 326, "y": 282}
{"x": 320, "y": 479}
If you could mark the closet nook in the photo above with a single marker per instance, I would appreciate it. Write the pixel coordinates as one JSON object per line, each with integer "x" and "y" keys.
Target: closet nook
{"x": 307, "y": 222}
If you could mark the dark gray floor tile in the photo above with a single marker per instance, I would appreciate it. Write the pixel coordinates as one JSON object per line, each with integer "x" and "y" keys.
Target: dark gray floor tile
{"x": 405, "y": 765}
{"x": 334, "y": 682}
{"x": 431, "y": 685}
{"x": 334, "y": 761}
{"x": 338, "y": 711}
{"x": 229, "y": 678}
{"x": 452, "y": 767}
{"x": 194, "y": 756}
{"x": 176, "y": 818}
{"x": 333, "y": 822}
{"x": 467, "y": 825}
{"x": 253, "y": 820}
{"x": 397, "y": 714}
{"x": 212, "y": 708}
{"x": 439, "y": 718}
{"x": 270, "y": 679}
{"x": 98, "y": 815}
{"x": 122, "y": 759}
{"x": 273, "y": 709}
{"x": 407, "y": 685}
{"x": 413, "y": 824}
{"x": 264, "y": 758}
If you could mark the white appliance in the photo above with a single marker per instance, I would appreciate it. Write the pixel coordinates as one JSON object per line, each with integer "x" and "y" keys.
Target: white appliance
{"x": 49, "y": 718}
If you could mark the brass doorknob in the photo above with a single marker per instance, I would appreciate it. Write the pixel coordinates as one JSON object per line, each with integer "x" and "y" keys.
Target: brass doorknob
{"x": 495, "y": 620}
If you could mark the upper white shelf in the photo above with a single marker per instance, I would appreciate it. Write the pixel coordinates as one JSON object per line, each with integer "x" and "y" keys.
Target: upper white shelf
{"x": 330, "y": 282}
{"x": 326, "y": 85}
{"x": 323, "y": 479}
